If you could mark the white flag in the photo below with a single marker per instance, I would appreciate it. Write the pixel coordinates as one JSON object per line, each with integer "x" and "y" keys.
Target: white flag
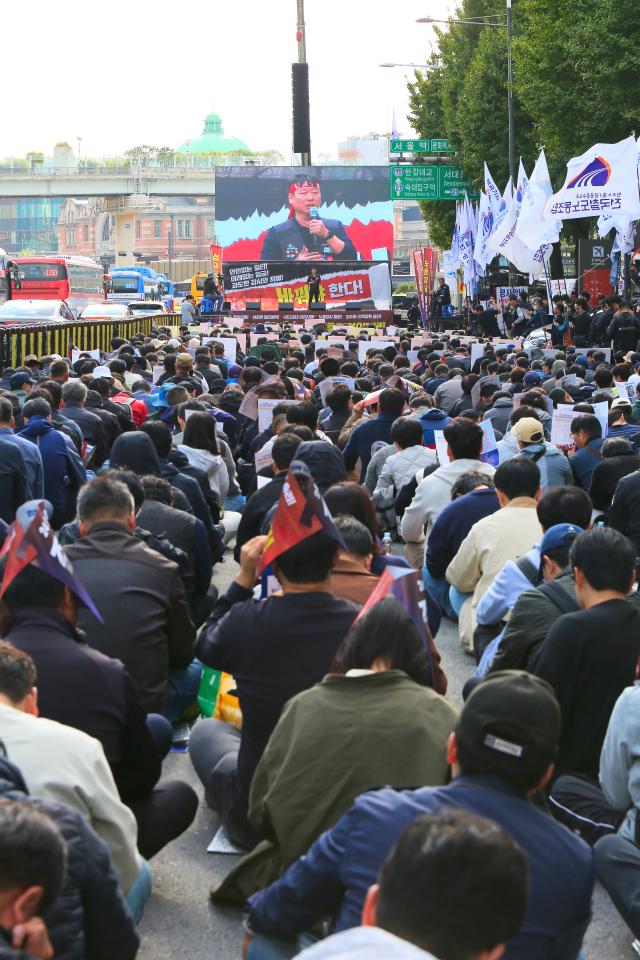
{"x": 603, "y": 180}
{"x": 492, "y": 192}
{"x": 525, "y": 259}
{"x": 481, "y": 253}
{"x": 466, "y": 244}
{"x": 532, "y": 230}
{"x": 502, "y": 221}
{"x": 623, "y": 242}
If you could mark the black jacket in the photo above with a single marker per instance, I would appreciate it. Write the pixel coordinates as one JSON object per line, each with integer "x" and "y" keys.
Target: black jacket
{"x": 188, "y": 534}
{"x": 274, "y": 648}
{"x": 80, "y": 687}
{"x": 13, "y": 480}
{"x": 255, "y": 511}
{"x": 147, "y": 623}
{"x": 110, "y": 422}
{"x": 194, "y": 502}
{"x": 624, "y": 513}
{"x": 607, "y": 475}
{"x": 92, "y": 430}
{"x": 89, "y": 920}
{"x": 589, "y": 657}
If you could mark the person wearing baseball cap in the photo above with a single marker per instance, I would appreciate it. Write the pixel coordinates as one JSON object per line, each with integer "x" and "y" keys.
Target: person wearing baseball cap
{"x": 554, "y": 467}
{"x": 22, "y": 383}
{"x": 502, "y": 750}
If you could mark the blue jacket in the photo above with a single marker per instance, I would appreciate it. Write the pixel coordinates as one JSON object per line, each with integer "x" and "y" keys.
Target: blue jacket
{"x": 584, "y": 462}
{"x": 433, "y": 419}
{"x": 32, "y": 462}
{"x": 452, "y": 526}
{"x": 362, "y": 438}
{"x": 64, "y": 473}
{"x": 334, "y": 876}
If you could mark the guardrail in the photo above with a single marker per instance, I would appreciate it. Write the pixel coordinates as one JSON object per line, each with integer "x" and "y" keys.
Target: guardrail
{"x": 18, "y": 341}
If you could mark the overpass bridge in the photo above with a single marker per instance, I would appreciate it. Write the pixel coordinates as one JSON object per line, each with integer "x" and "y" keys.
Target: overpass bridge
{"x": 108, "y": 182}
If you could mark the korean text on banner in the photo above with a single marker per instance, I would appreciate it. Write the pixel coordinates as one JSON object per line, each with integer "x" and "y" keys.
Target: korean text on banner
{"x": 603, "y": 179}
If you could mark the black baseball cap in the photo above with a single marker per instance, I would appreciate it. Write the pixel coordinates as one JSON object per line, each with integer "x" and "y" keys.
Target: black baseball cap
{"x": 513, "y": 717}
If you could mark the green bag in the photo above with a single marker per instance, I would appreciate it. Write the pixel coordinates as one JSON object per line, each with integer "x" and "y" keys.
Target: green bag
{"x": 208, "y": 692}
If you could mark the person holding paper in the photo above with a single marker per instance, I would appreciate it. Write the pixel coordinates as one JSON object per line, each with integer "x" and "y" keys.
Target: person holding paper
{"x": 553, "y": 465}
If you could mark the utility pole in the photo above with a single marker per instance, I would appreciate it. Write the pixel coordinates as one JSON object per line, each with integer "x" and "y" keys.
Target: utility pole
{"x": 512, "y": 134}
{"x": 305, "y": 158}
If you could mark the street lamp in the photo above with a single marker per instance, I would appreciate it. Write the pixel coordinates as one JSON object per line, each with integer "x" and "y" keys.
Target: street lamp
{"x": 498, "y": 22}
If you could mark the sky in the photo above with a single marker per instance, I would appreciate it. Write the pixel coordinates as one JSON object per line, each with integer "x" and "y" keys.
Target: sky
{"x": 144, "y": 72}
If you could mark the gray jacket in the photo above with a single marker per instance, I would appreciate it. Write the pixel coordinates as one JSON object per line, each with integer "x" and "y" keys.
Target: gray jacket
{"x": 448, "y": 393}
{"x": 620, "y": 759}
{"x": 555, "y": 470}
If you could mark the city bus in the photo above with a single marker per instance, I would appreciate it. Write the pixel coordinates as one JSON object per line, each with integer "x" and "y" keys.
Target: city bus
{"x": 150, "y": 286}
{"x": 76, "y": 280}
{"x": 127, "y": 283}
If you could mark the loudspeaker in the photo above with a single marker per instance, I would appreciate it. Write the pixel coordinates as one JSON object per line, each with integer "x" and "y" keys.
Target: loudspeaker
{"x": 300, "y": 92}
{"x": 352, "y": 307}
{"x": 253, "y": 306}
{"x": 285, "y": 307}
{"x": 226, "y": 306}
{"x": 317, "y": 306}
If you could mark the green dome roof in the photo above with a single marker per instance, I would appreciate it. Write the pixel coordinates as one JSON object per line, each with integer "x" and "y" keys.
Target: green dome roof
{"x": 212, "y": 139}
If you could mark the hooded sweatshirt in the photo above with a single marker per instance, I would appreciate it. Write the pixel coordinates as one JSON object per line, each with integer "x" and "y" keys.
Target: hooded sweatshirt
{"x": 135, "y": 452}
{"x": 214, "y": 467}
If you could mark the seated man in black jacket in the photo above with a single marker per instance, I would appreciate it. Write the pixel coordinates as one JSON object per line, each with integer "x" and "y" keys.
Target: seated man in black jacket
{"x": 274, "y": 648}
{"x": 82, "y": 688}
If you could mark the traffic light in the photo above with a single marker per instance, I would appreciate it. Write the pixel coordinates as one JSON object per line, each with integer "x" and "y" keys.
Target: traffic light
{"x": 300, "y": 90}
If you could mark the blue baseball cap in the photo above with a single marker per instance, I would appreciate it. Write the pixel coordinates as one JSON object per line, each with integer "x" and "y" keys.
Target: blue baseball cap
{"x": 582, "y": 360}
{"x": 559, "y": 536}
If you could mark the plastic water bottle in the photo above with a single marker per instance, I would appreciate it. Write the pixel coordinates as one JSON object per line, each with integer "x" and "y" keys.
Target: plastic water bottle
{"x": 386, "y": 543}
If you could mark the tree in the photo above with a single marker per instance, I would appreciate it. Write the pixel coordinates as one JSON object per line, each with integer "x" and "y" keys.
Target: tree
{"x": 579, "y": 79}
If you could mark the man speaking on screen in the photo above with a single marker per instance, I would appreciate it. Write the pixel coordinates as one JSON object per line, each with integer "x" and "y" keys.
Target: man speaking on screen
{"x": 304, "y": 235}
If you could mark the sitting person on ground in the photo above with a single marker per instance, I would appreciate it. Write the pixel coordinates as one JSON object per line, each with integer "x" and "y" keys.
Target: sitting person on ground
{"x": 358, "y": 449}
{"x": 440, "y": 860}
{"x": 619, "y": 459}
{"x": 620, "y": 422}
{"x": 80, "y": 687}
{"x": 63, "y": 764}
{"x": 590, "y": 656}
{"x": 501, "y": 536}
{"x": 258, "y": 642}
{"x": 586, "y": 431}
{"x": 261, "y": 502}
{"x": 501, "y": 751}
{"x": 90, "y": 918}
{"x": 381, "y": 658}
{"x": 464, "y": 446}
{"x": 557, "y": 505}
{"x": 159, "y": 516}
{"x": 140, "y": 595}
{"x": 401, "y": 466}
{"x": 553, "y": 465}
{"x": 473, "y": 497}
{"x": 33, "y": 864}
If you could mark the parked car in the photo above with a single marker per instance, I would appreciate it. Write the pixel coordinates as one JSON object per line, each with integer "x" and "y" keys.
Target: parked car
{"x": 35, "y": 311}
{"x": 143, "y": 308}
{"x": 107, "y": 311}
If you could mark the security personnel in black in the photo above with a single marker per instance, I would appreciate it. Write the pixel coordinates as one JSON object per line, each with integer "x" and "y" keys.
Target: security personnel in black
{"x": 304, "y": 235}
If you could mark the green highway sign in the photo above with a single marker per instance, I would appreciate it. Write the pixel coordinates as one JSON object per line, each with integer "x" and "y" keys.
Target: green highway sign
{"x": 423, "y": 181}
{"x": 434, "y": 145}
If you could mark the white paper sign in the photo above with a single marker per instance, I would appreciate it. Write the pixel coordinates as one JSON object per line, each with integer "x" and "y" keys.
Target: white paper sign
{"x": 364, "y": 345}
{"x": 325, "y": 386}
{"x": 262, "y": 482}
{"x": 441, "y": 447}
{"x": 94, "y": 354}
{"x": 263, "y": 457}
{"x": 157, "y": 371}
{"x": 563, "y": 417}
{"x": 265, "y": 412}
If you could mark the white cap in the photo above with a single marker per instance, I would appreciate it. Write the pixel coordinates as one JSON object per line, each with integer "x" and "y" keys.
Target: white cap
{"x": 100, "y": 372}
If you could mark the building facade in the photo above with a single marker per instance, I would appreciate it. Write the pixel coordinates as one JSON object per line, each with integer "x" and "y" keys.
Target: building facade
{"x": 161, "y": 226}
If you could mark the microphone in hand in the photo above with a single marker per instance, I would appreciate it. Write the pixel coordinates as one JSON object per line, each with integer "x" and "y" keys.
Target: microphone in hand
{"x": 314, "y": 213}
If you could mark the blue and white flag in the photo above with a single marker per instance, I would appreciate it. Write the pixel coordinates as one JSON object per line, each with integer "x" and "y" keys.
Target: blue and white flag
{"x": 498, "y": 219}
{"x": 602, "y": 180}
{"x": 455, "y": 240}
{"x": 466, "y": 245}
{"x": 532, "y": 230}
{"x": 481, "y": 253}
{"x": 492, "y": 192}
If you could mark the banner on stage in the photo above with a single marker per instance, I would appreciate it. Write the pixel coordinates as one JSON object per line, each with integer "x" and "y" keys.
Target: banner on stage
{"x": 287, "y": 282}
